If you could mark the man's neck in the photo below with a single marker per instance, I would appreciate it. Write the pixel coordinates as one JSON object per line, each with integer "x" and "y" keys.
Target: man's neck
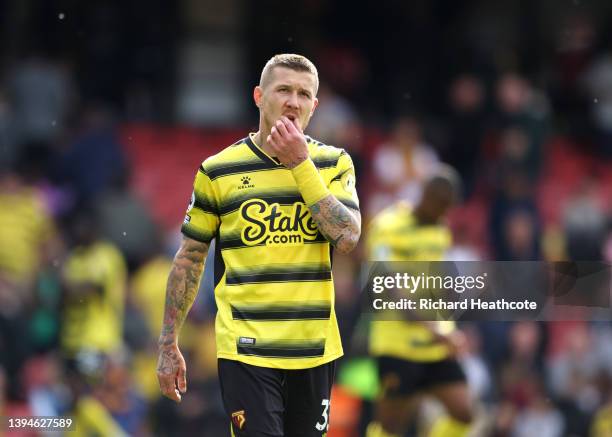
{"x": 260, "y": 140}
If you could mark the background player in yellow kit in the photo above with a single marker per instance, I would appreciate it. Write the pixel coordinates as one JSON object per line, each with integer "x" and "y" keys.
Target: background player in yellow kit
{"x": 417, "y": 358}
{"x": 275, "y": 201}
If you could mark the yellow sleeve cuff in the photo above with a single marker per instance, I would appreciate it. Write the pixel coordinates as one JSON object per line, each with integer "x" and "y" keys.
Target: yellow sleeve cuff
{"x": 309, "y": 182}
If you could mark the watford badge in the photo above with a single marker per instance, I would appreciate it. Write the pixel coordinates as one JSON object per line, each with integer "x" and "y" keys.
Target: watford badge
{"x": 238, "y": 419}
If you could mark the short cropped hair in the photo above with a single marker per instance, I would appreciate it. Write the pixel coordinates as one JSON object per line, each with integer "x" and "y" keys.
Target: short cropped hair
{"x": 292, "y": 62}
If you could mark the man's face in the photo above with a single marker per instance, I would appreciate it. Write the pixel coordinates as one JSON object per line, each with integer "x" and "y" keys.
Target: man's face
{"x": 288, "y": 92}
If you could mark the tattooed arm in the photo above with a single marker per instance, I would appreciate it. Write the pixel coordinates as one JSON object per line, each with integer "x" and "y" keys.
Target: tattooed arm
{"x": 340, "y": 225}
{"x": 181, "y": 291}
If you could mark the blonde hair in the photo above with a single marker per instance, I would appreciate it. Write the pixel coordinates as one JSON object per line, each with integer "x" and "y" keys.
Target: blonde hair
{"x": 292, "y": 62}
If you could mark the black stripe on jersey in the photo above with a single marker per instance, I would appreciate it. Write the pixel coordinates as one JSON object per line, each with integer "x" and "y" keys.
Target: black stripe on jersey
{"x": 205, "y": 204}
{"x": 284, "y": 312}
{"x": 283, "y": 350}
{"x": 257, "y": 278}
{"x": 235, "y": 242}
{"x": 282, "y": 199}
{"x": 315, "y": 142}
{"x": 239, "y": 167}
{"x": 322, "y": 163}
{"x": 194, "y": 234}
{"x": 260, "y": 154}
{"x": 339, "y": 177}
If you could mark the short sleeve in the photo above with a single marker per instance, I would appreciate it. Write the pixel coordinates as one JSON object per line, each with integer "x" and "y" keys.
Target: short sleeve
{"x": 202, "y": 218}
{"x": 343, "y": 184}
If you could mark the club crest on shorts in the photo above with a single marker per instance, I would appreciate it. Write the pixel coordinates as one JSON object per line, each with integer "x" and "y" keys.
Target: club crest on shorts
{"x": 238, "y": 419}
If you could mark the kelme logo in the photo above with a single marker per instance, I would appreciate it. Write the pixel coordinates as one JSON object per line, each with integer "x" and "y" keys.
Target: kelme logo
{"x": 245, "y": 182}
{"x": 269, "y": 223}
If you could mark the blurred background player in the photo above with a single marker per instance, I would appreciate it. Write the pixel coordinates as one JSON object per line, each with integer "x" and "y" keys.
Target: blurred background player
{"x": 417, "y": 358}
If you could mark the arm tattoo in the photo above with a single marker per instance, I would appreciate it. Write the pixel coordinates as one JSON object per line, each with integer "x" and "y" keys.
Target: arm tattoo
{"x": 167, "y": 362}
{"x": 182, "y": 288}
{"x": 339, "y": 225}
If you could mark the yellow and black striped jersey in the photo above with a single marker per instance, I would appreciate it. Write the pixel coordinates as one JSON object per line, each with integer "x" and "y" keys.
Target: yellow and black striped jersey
{"x": 273, "y": 280}
{"x": 396, "y": 235}
{"x": 94, "y": 320}
{"x": 25, "y": 228}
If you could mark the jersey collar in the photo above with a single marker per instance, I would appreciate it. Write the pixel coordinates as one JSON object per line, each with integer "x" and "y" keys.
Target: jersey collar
{"x": 259, "y": 151}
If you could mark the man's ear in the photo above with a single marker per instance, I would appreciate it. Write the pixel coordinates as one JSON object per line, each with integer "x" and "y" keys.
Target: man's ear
{"x": 316, "y": 103}
{"x": 257, "y": 95}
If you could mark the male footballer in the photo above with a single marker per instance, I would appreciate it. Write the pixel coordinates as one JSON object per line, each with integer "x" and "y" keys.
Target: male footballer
{"x": 276, "y": 202}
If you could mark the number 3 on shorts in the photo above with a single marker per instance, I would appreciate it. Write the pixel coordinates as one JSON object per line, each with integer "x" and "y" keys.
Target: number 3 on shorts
{"x": 323, "y": 426}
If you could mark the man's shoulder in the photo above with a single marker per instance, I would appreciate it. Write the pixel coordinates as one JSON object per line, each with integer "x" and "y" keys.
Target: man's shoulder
{"x": 319, "y": 147}
{"x": 324, "y": 154}
{"x": 397, "y": 215}
{"x": 235, "y": 152}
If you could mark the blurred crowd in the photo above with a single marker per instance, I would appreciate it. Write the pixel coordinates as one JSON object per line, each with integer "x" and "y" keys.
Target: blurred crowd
{"x": 85, "y": 250}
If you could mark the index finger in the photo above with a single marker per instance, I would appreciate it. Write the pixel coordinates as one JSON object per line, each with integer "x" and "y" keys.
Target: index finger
{"x": 293, "y": 126}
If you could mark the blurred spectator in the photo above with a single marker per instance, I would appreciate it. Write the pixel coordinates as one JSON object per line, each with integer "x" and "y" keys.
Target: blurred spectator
{"x": 522, "y": 397}
{"x": 607, "y": 252}
{"x": 47, "y": 393}
{"x": 515, "y": 151}
{"x": 127, "y": 222}
{"x": 41, "y": 92}
{"x": 8, "y": 148}
{"x": 95, "y": 158}
{"x": 148, "y": 289}
{"x": 520, "y": 236}
{"x": 401, "y": 165}
{"x": 523, "y": 363}
{"x": 526, "y": 109}
{"x": 573, "y": 375}
{"x": 12, "y": 408}
{"x": 92, "y": 417}
{"x": 146, "y": 297}
{"x": 540, "y": 417}
{"x": 476, "y": 370}
{"x": 332, "y": 118}
{"x": 575, "y": 44}
{"x": 336, "y": 122}
{"x": 466, "y": 128}
{"x": 27, "y": 239}
{"x": 345, "y": 67}
{"x": 464, "y": 247}
{"x": 514, "y": 220}
{"x": 117, "y": 393}
{"x": 598, "y": 83}
{"x": 585, "y": 224}
{"x": 35, "y": 166}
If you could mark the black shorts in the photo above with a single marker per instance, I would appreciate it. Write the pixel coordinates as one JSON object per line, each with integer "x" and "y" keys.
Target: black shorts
{"x": 264, "y": 402}
{"x": 400, "y": 377}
